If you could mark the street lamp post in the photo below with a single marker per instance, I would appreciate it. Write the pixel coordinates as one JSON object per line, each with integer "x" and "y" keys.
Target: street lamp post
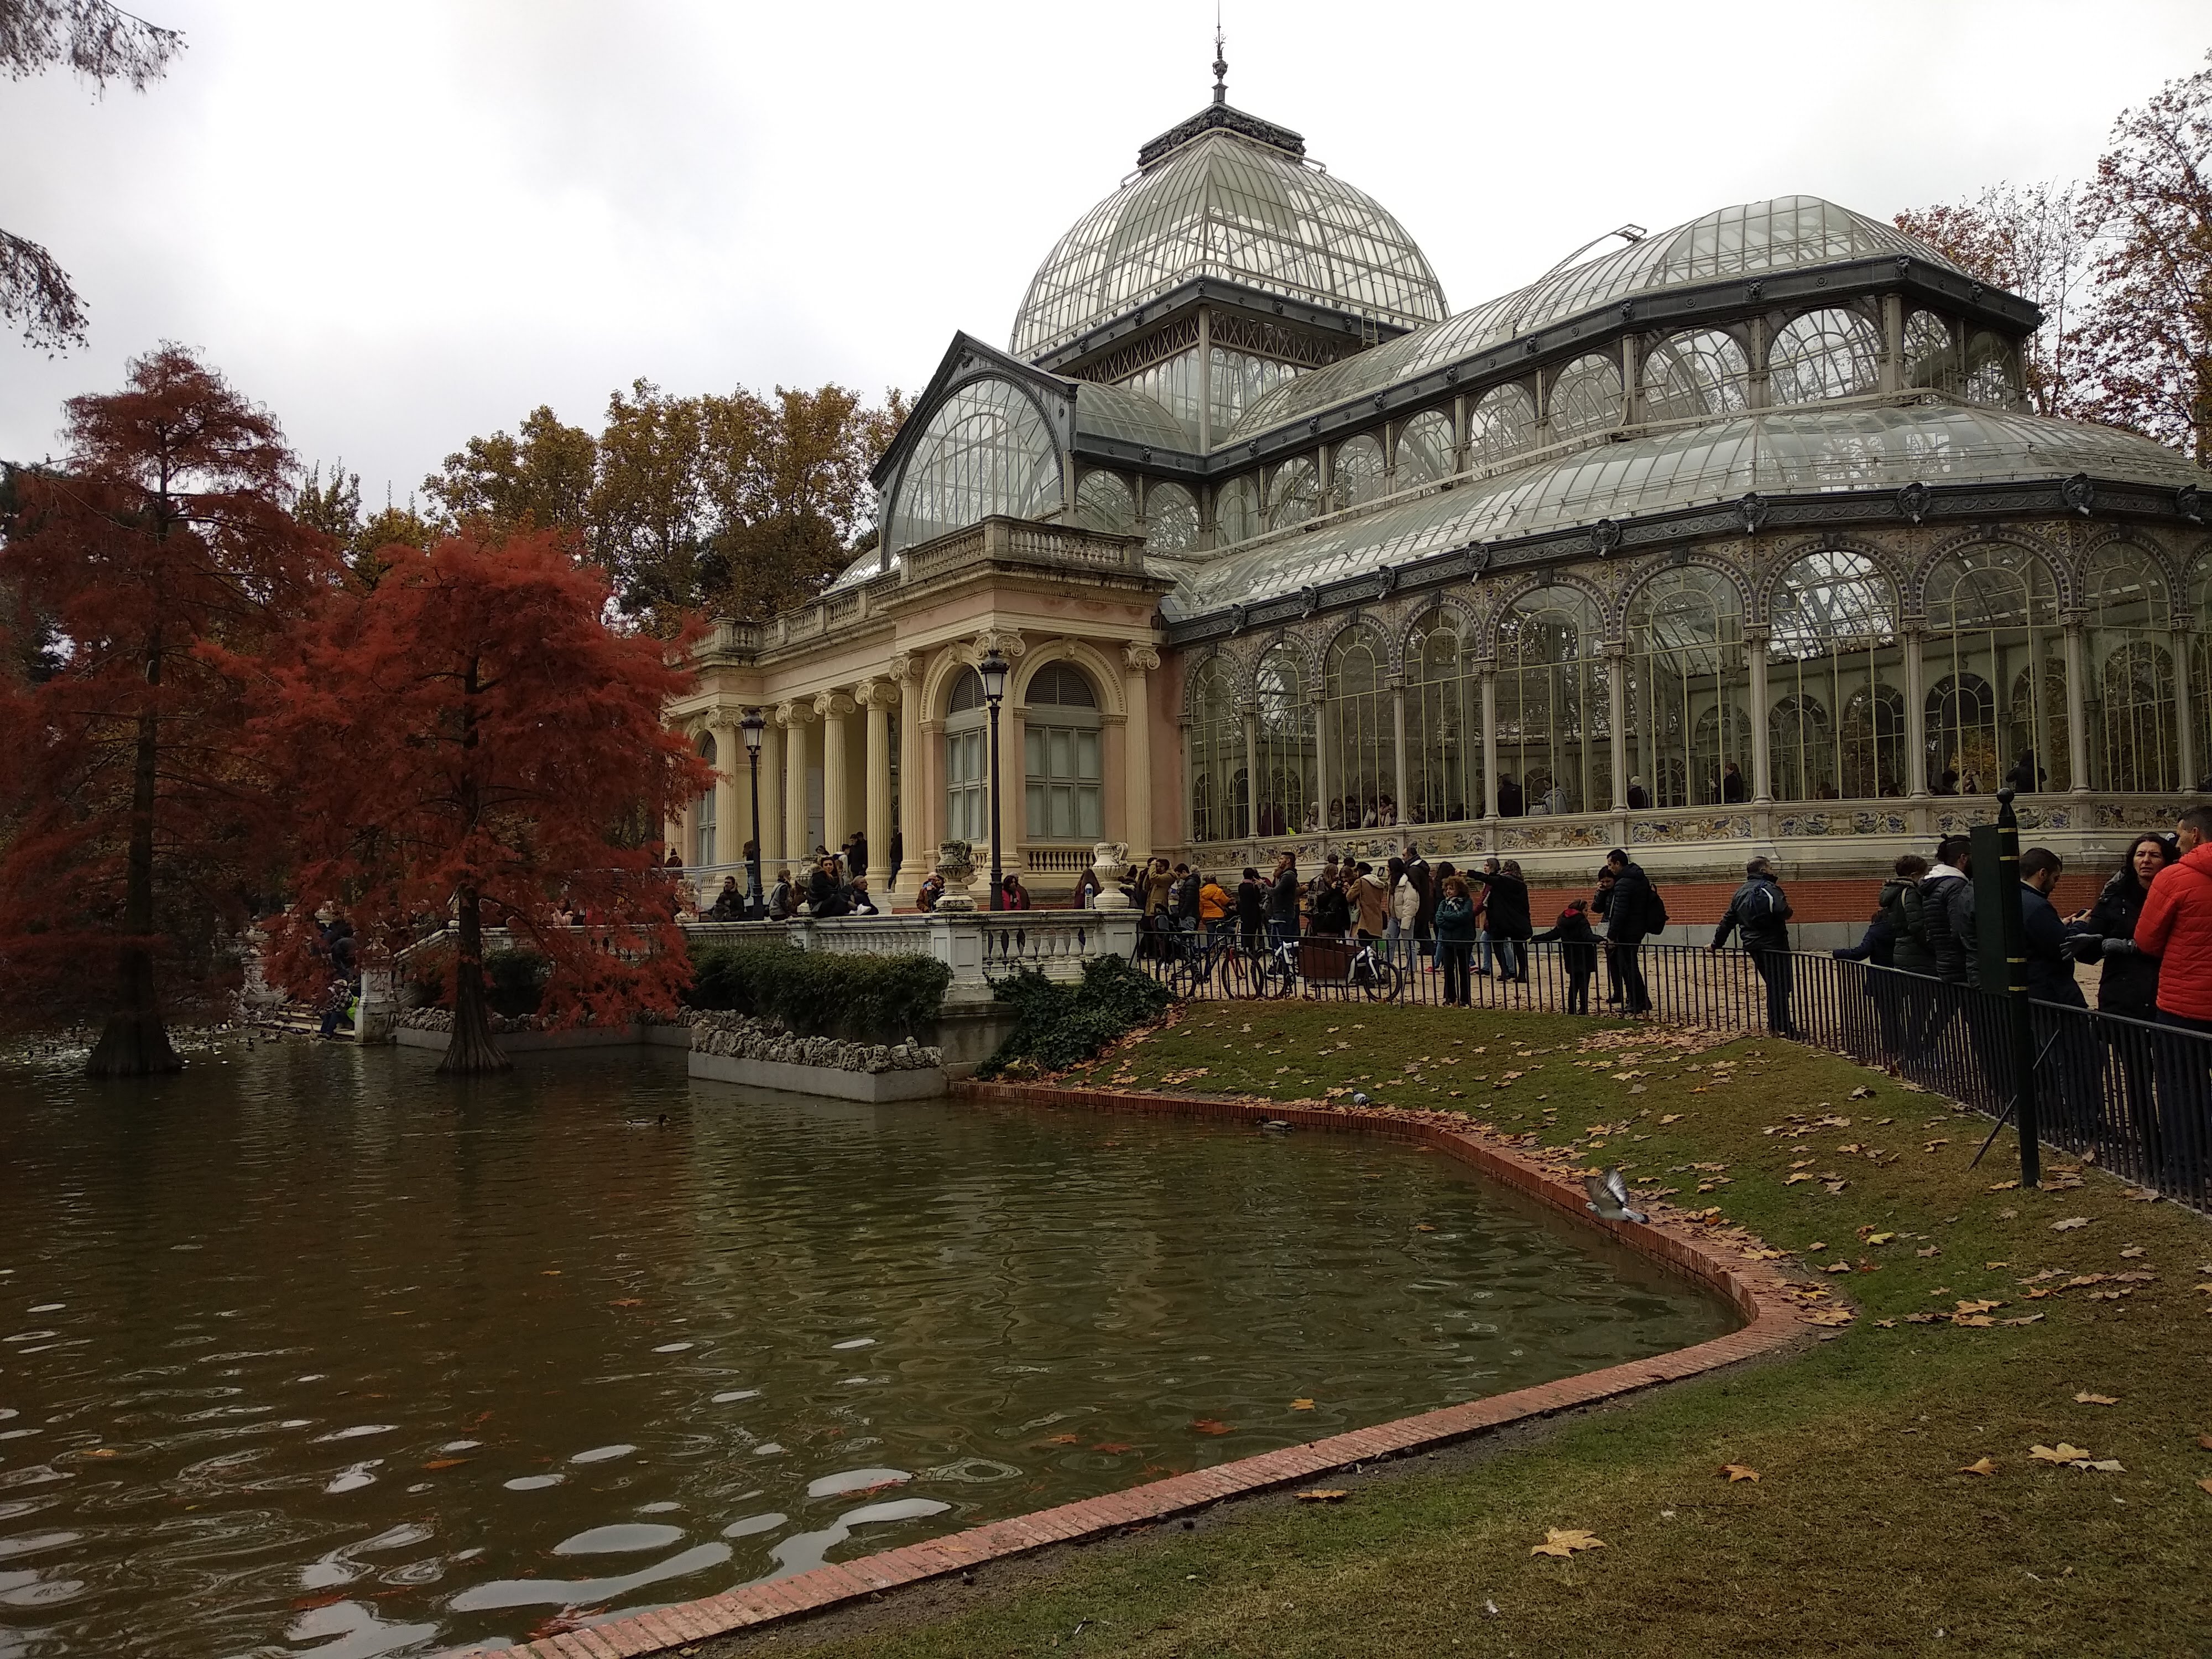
{"x": 993, "y": 669}
{"x": 752, "y": 725}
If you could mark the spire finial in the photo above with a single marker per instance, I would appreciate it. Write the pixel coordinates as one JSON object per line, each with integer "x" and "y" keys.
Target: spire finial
{"x": 1220, "y": 64}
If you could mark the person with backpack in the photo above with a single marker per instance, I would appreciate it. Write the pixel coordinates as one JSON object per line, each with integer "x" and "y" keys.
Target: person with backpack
{"x": 1187, "y": 906}
{"x": 1895, "y": 939}
{"x": 1252, "y": 908}
{"x": 1760, "y": 909}
{"x": 1331, "y": 911}
{"x": 1577, "y": 942}
{"x": 1425, "y": 918}
{"x": 1455, "y": 941}
{"x": 1635, "y": 912}
{"x": 1940, "y": 903}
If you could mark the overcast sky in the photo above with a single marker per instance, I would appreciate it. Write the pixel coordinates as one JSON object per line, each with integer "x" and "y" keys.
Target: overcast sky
{"x": 401, "y": 223}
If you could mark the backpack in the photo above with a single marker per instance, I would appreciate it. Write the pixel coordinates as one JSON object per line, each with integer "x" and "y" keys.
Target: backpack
{"x": 1763, "y": 903}
{"x": 1654, "y": 911}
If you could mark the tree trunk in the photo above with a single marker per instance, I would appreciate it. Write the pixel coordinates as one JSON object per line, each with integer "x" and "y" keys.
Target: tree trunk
{"x": 471, "y": 1051}
{"x": 135, "y": 1042}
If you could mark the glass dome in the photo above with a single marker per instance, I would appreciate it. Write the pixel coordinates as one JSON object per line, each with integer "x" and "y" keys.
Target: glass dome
{"x": 1229, "y": 206}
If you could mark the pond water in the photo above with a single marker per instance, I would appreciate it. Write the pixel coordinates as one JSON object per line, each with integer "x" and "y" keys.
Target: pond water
{"x": 310, "y": 1350}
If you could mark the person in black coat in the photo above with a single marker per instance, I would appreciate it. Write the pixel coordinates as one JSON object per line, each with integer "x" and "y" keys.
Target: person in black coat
{"x": 2106, "y": 932}
{"x": 1510, "y": 803}
{"x": 1332, "y": 912}
{"x": 1577, "y": 942}
{"x": 1505, "y": 904}
{"x": 1626, "y": 922}
{"x": 1252, "y": 908}
{"x": 1760, "y": 910}
{"x": 1283, "y": 901}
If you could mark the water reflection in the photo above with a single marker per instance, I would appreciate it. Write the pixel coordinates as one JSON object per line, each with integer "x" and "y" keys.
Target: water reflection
{"x": 314, "y": 1351}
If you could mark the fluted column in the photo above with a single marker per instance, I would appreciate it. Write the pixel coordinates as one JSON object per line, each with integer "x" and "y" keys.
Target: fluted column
{"x": 1137, "y": 661}
{"x": 2185, "y": 694}
{"x": 1489, "y": 740}
{"x": 771, "y": 798}
{"x": 794, "y": 718}
{"x": 1762, "y": 759}
{"x": 1916, "y": 710}
{"x": 836, "y": 804}
{"x": 918, "y": 853}
{"x": 1324, "y": 771}
{"x": 2077, "y": 721}
{"x": 877, "y": 698}
{"x": 1250, "y": 827}
{"x": 1616, "y": 694}
{"x": 729, "y": 798}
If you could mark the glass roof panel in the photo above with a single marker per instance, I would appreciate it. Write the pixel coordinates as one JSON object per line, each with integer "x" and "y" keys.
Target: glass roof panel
{"x": 1787, "y": 232}
{"x": 1225, "y": 206}
{"x": 1777, "y": 452}
{"x": 1113, "y": 412}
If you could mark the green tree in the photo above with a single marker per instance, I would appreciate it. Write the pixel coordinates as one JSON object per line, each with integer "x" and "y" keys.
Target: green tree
{"x": 649, "y": 523}
{"x": 538, "y": 478}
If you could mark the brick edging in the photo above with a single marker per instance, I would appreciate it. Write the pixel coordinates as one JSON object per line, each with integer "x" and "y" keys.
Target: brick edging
{"x": 1753, "y": 1288}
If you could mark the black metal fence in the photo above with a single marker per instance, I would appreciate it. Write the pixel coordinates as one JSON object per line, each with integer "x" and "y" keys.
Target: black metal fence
{"x": 2134, "y": 1098}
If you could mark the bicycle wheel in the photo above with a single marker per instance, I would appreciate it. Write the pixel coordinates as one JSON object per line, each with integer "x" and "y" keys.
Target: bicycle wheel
{"x": 1282, "y": 978}
{"x": 1233, "y": 974}
{"x": 1383, "y": 981}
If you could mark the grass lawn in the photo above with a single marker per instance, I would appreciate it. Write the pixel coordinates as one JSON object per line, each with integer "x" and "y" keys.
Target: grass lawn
{"x": 1861, "y": 1535}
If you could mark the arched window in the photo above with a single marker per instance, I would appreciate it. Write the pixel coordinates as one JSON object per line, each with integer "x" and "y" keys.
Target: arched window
{"x": 1443, "y": 725}
{"x": 1554, "y": 752}
{"x": 1997, "y": 672}
{"x": 1702, "y": 373}
{"x": 1361, "y": 730}
{"x": 1586, "y": 396}
{"x": 1425, "y": 449}
{"x": 1060, "y": 745}
{"x": 1220, "y": 776}
{"x": 1801, "y": 750}
{"x": 1293, "y": 494}
{"x": 702, "y": 811}
{"x": 1357, "y": 470}
{"x": 1929, "y": 359}
{"x": 967, "y": 761}
{"x": 1502, "y": 424}
{"x": 1823, "y": 354}
{"x": 1102, "y": 501}
{"x": 1832, "y": 645}
{"x": 1688, "y": 684}
{"x": 1992, "y": 372}
{"x": 1171, "y": 518}
{"x": 1287, "y": 760}
{"x": 2128, "y": 705}
{"x": 985, "y": 451}
{"x": 1235, "y": 513}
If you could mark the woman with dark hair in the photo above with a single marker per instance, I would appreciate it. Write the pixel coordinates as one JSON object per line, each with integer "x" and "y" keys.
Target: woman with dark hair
{"x": 2106, "y": 932}
{"x": 2128, "y": 985}
{"x": 1507, "y": 903}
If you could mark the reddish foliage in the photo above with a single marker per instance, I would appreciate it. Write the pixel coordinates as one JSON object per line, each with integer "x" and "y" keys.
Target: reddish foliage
{"x": 473, "y": 740}
{"x": 137, "y": 830}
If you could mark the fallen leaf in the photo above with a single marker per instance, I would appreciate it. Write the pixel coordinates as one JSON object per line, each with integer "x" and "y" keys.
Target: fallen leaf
{"x": 1978, "y": 1306}
{"x": 2206, "y": 1483}
{"x": 1323, "y": 1495}
{"x": 1672, "y": 1117}
{"x": 2085, "y": 1399}
{"x": 1832, "y": 1316}
{"x": 550, "y": 1273}
{"x": 1838, "y": 1268}
{"x": 1065, "y": 1440}
{"x": 2061, "y": 1452}
{"x": 1302, "y": 1404}
{"x": 1979, "y": 1466}
{"x": 1210, "y": 1425}
{"x": 627, "y": 1302}
{"x": 2070, "y": 1224}
{"x": 2132, "y": 1251}
{"x": 1821, "y": 1245}
{"x": 1423, "y": 1227}
{"x": 1556, "y": 1542}
{"x": 101, "y": 1452}
{"x": 2143, "y": 1195}
{"x": 445, "y": 1462}
{"x": 2004, "y": 1186}
{"x": 2109, "y": 1465}
{"x": 1880, "y": 1238}
{"x": 1736, "y": 1472}
{"x": 1791, "y": 1181}
{"x": 1863, "y": 1093}
{"x": 1113, "y": 1446}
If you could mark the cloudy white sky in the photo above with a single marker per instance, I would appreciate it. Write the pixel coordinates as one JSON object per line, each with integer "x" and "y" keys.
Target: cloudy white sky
{"x": 403, "y": 223}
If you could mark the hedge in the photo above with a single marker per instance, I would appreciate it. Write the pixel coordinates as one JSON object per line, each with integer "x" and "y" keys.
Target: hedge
{"x": 868, "y": 999}
{"x": 514, "y": 981}
{"x": 1063, "y": 1025}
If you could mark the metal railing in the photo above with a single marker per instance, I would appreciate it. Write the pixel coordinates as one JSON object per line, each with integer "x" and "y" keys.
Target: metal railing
{"x": 2135, "y": 1099}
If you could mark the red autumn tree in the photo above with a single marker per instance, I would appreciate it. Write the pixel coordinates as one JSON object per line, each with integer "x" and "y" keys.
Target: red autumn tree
{"x": 469, "y": 738}
{"x": 133, "y": 830}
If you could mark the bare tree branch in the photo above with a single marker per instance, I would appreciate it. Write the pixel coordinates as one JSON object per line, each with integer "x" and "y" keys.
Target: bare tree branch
{"x": 99, "y": 41}
{"x": 35, "y": 295}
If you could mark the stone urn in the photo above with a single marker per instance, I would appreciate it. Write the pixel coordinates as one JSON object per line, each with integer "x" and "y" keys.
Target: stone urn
{"x": 1109, "y": 860}
{"x": 956, "y": 863}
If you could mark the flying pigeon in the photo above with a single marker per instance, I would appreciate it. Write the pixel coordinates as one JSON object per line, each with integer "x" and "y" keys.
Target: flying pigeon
{"x": 1609, "y": 1198}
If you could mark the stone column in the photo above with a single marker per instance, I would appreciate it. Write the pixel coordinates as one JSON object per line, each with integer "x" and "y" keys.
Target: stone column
{"x": 2185, "y": 729}
{"x": 836, "y": 808}
{"x": 1137, "y": 660}
{"x": 730, "y": 827}
{"x": 878, "y": 698}
{"x": 2077, "y": 723}
{"x": 1490, "y": 740}
{"x": 1398, "y": 741}
{"x": 1250, "y": 827}
{"x": 793, "y": 717}
{"x": 1616, "y": 696}
{"x": 1916, "y": 711}
{"x": 1762, "y": 760}
{"x": 771, "y": 798}
{"x": 918, "y": 855}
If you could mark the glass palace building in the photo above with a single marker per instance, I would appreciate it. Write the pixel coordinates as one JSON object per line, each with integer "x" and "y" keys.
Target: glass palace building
{"x": 1741, "y": 537}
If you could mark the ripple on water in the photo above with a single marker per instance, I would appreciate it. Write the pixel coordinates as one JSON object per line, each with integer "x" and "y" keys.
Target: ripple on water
{"x": 622, "y": 1536}
{"x": 533, "y": 1482}
{"x": 732, "y": 1396}
{"x": 603, "y": 1453}
{"x": 755, "y": 1523}
{"x": 585, "y": 1592}
{"x": 836, "y": 1485}
{"x": 803, "y": 1552}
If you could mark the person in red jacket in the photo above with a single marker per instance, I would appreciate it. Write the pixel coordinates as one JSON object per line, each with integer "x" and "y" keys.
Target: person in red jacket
{"x": 2176, "y": 927}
